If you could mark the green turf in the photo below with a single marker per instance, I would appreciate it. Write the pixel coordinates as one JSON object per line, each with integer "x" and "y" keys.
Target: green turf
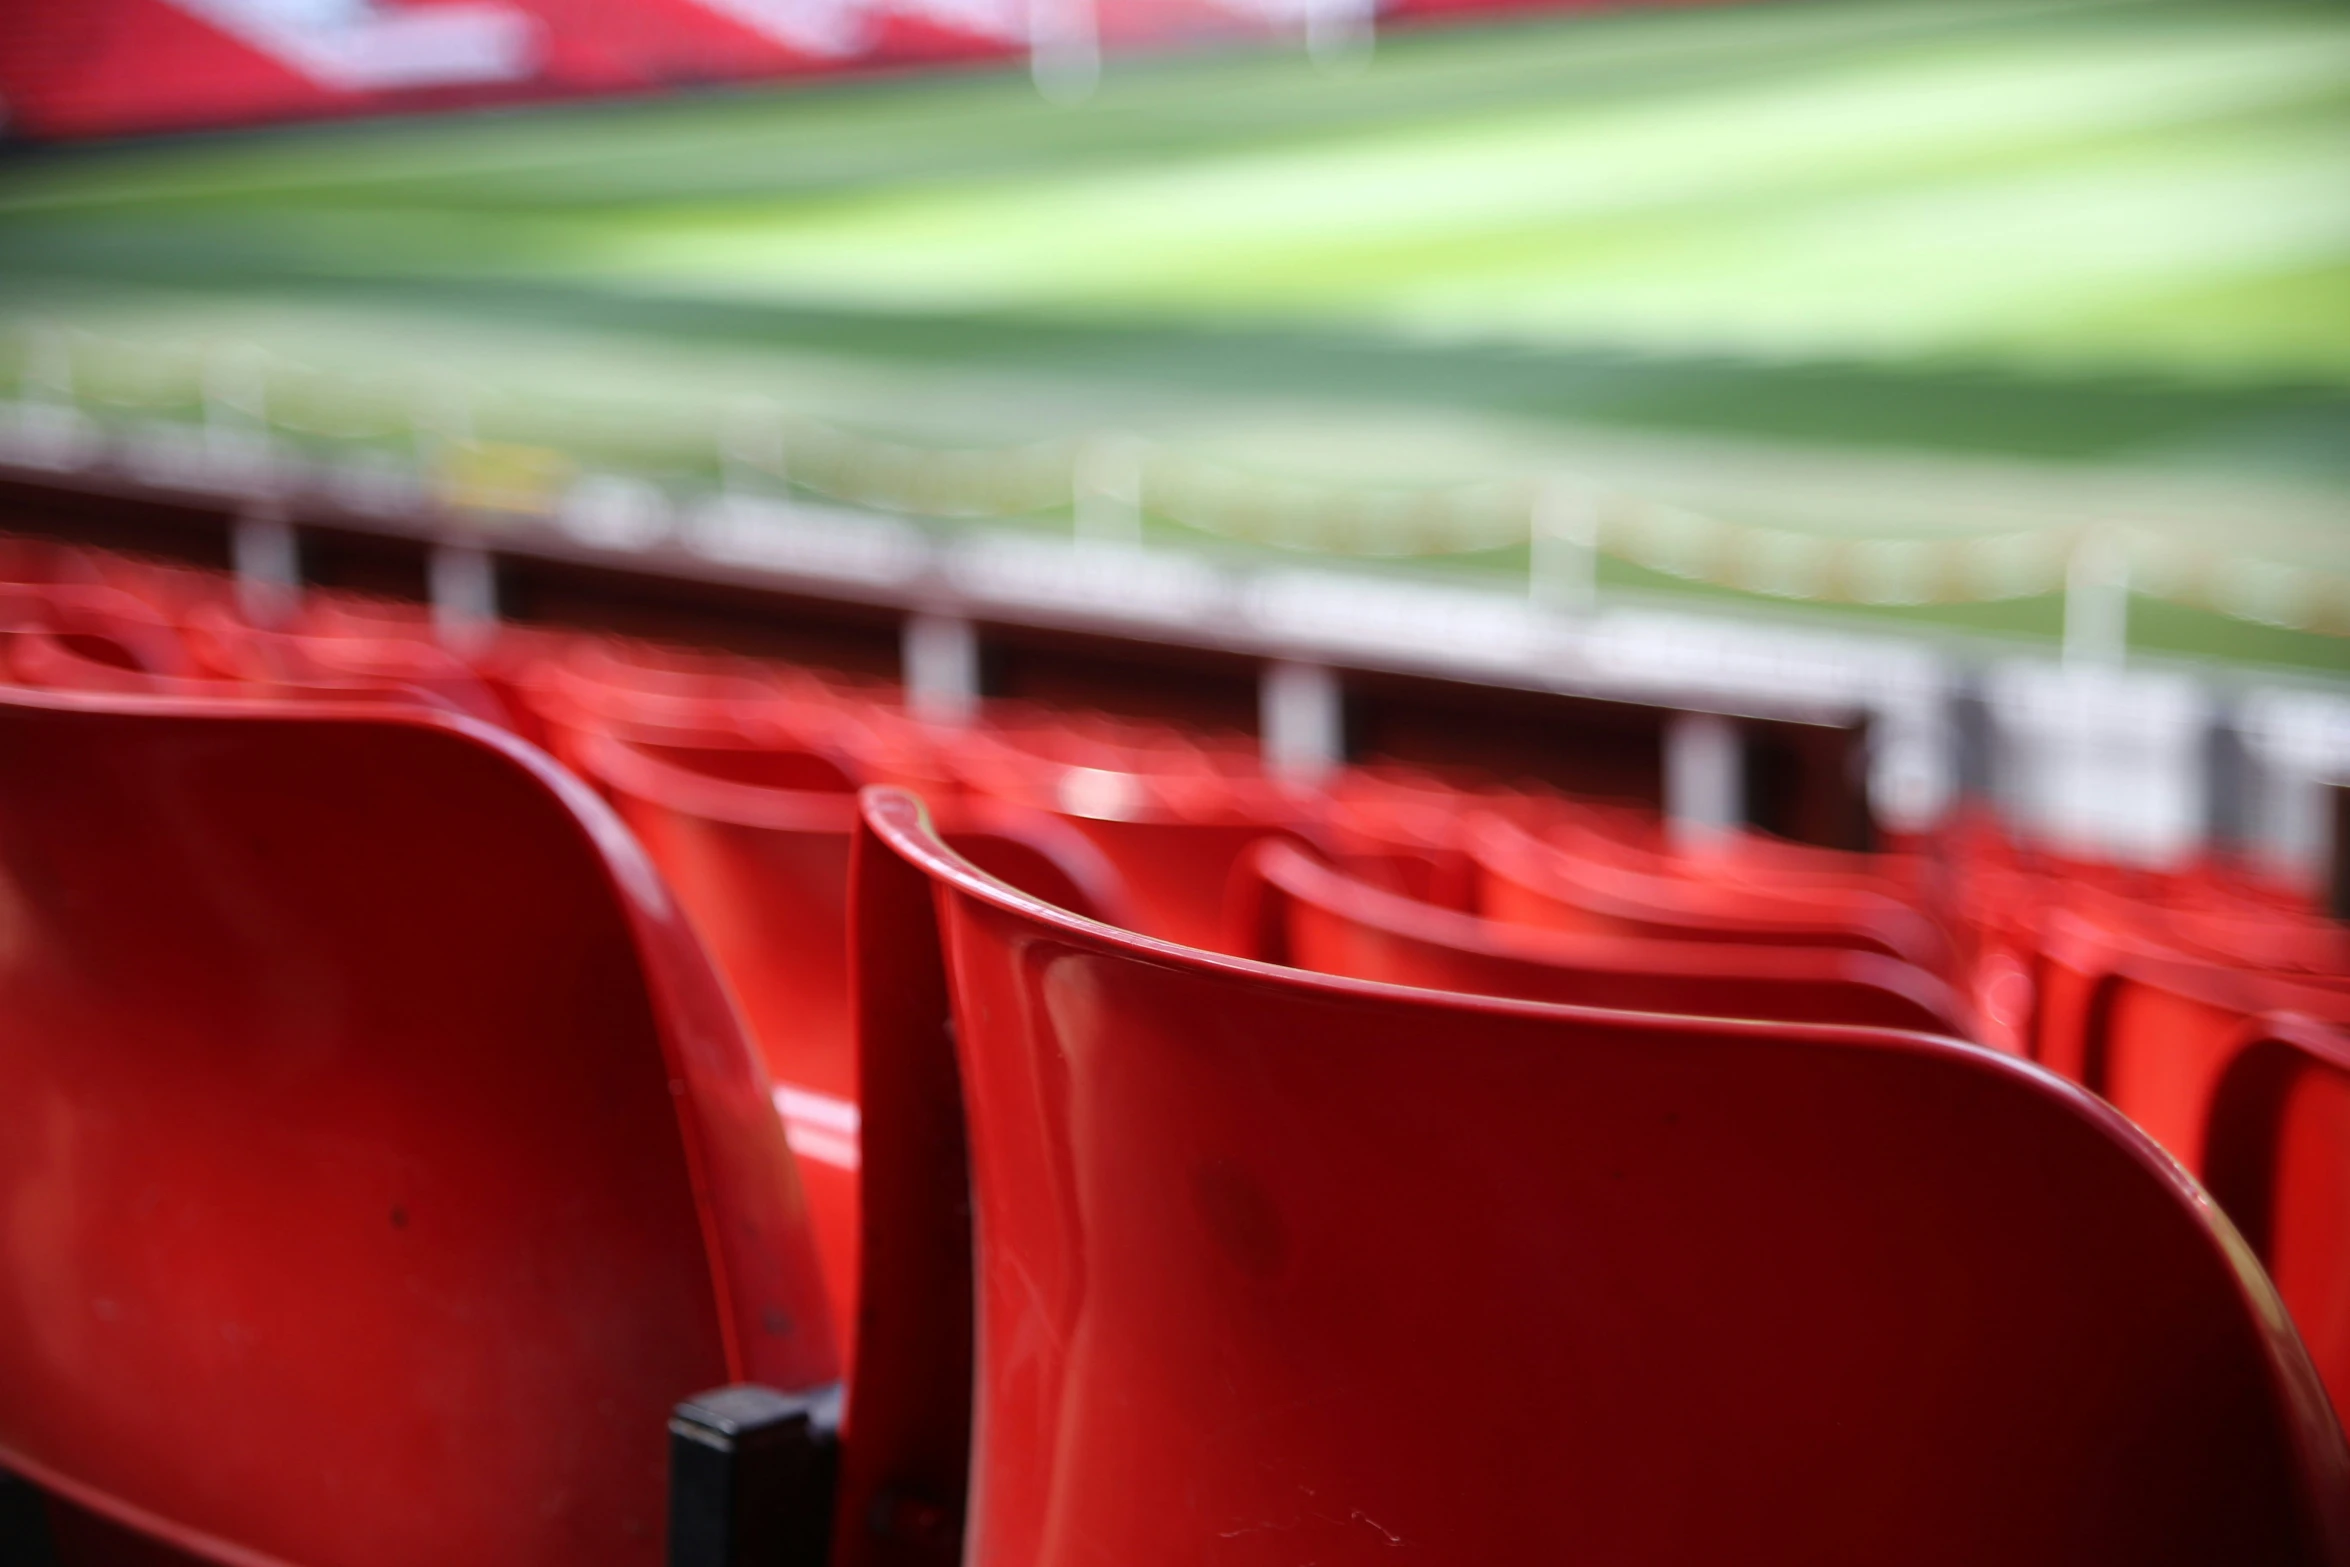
{"x": 2109, "y": 237}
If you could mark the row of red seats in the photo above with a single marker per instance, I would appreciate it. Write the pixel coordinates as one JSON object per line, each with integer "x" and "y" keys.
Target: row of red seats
{"x": 1128, "y": 789}
{"x": 1658, "y": 1264}
{"x": 739, "y": 780}
{"x": 1174, "y": 816}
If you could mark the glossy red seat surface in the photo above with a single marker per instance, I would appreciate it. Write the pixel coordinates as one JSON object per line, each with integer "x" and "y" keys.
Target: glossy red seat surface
{"x": 229, "y": 648}
{"x": 2245, "y": 1078}
{"x": 2160, "y": 1033}
{"x": 97, "y": 622}
{"x": 2146, "y": 1023}
{"x": 499, "y": 655}
{"x": 1280, "y": 1268}
{"x": 2278, "y": 1153}
{"x": 570, "y": 684}
{"x": 46, "y": 662}
{"x": 763, "y": 874}
{"x": 744, "y": 752}
{"x": 1179, "y": 873}
{"x": 382, "y": 1160}
{"x": 1304, "y": 913}
{"x": 1528, "y": 880}
{"x": 1386, "y": 847}
{"x": 1174, "y": 834}
{"x": 2266, "y": 938}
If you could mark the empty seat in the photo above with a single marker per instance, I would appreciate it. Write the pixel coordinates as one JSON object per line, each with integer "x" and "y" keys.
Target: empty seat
{"x": 1407, "y": 830}
{"x": 1300, "y": 912}
{"x": 500, "y": 655}
{"x": 763, "y": 874}
{"x": 1171, "y": 814}
{"x": 2149, "y": 1027}
{"x": 229, "y": 648}
{"x": 1530, "y": 880}
{"x": 1179, "y": 872}
{"x": 39, "y": 657}
{"x": 381, "y": 1158}
{"x": 1174, "y": 842}
{"x": 46, "y": 662}
{"x": 582, "y": 684}
{"x": 103, "y": 624}
{"x": 2163, "y": 1034}
{"x": 1279, "y": 1268}
{"x": 2277, "y": 1148}
{"x": 2239, "y": 1075}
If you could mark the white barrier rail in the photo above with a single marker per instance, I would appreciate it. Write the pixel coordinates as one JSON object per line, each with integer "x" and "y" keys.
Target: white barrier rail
{"x": 2096, "y": 755}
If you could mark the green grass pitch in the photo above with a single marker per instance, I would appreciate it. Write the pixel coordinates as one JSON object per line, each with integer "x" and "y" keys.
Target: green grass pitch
{"x": 1891, "y": 274}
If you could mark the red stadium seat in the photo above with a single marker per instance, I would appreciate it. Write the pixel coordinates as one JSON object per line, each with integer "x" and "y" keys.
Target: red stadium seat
{"x": 1637, "y": 841}
{"x": 1406, "y": 830}
{"x": 1297, "y": 911}
{"x": 1529, "y": 880}
{"x": 2158, "y": 1033}
{"x": 47, "y": 662}
{"x": 228, "y": 648}
{"x": 1174, "y": 836}
{"x": 2278, "y": 1146}
{"x": 2264, "y": 938}
{"x": 585, "y": 683}
{"x": 2083, "y": 962}
{"x": 42, "y": 659}
{"x": 1380, "y": 846}
{"x": 1277, "y": 1268}
{"x": 103, "y": 624}
{"x": 382, "y": 1158}
{"x": 2071, "y": 957}
{"x": 2242, "y": 1076}
{"x": 500, "y": 656}
{"x": 886, "y": 745}
{"x": 1179, "y": 872}
{"x": 739, "y": 752}
{"x": 763, "y": 875}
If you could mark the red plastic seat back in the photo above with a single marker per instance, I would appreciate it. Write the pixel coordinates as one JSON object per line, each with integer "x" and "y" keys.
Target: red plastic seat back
{"x": 571, "y": 686}
{"x": 242, "y": 652}
{"x": 766, "y": 766}
{"x": 2074, "y": 954}
{"x": 49, "y": 662}
{"x": 1277, "y": 1268}
{"x": 2158, "y": 1033}
{"x": 1180, "y": 873}
{"x": 103, "y": 624}
{"x": 381, "y": 1158}
{"x": 1526, "y": 880}
{"x": 1175, "y": 838}
{"x": 2279, "y": 1148}
{"x": 45, "y": 662}
{"x": 2157, "y": 1052}
{"x": 763, "y": 873}
{"x": 2272, "y": 939}
{"x": 1308, "y": 915}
